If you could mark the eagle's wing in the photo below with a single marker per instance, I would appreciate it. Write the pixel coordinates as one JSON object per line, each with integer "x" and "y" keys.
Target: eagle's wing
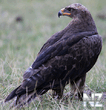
{"x": 54, "y": 39}
{"x": 50, "y": 42}
{"x": 58, "y": 47}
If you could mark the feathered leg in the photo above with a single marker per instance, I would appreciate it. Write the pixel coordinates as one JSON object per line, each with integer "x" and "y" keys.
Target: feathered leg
{"x": 58, "y": 91}
{"x": 77, "y": 86}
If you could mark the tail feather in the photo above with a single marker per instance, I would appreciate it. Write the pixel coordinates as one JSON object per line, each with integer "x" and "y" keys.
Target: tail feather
{"x": 11, "y": 95}
{"x": 25, "y": 98}
{"x": 31, "y": 87}
{"x": 22, "y": 100}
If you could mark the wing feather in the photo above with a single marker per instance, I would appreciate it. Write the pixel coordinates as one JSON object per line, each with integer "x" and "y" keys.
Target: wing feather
{"x": 59, "y": 48}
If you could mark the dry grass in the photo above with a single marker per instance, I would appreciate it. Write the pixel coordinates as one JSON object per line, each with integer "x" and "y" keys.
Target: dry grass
{"x": 21, "y": 41}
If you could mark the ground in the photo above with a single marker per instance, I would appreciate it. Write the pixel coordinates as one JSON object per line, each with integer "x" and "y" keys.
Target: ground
{"x": 21, "y": 40}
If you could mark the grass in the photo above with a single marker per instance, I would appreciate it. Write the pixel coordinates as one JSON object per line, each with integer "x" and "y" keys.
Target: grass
{"x": 20, "y": 43}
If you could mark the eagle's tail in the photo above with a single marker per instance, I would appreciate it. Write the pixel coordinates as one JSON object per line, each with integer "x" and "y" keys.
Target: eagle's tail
{"x": 11, "y": 95}
{"x": 20, "y": 101}
{"x": 25, "y": 98}
{"x": 28, "y": 90}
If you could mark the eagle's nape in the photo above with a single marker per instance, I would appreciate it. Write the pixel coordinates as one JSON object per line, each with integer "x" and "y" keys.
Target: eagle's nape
{"x": 65, "y": 58}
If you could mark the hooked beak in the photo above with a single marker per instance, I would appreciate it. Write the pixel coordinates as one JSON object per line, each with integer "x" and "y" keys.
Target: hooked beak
{"x": 59, "y": 14}
{"x": 63, "y": 13}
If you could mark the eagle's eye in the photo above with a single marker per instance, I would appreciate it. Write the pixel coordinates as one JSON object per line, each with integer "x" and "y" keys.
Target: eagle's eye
{"x": 69, "y": 9}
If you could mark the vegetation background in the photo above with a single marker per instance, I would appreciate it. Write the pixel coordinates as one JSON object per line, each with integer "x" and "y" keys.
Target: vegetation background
{"x": 21, "y": 41}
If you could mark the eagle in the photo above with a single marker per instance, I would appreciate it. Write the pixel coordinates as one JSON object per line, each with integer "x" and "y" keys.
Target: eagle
{"x": 65, "y": 58}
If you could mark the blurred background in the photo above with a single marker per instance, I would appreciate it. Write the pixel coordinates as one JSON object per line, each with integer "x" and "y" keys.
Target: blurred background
{"x": 25, "y": 25}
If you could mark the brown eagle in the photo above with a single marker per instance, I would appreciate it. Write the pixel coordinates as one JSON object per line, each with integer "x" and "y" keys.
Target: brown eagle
{"x": 65, "y": 58}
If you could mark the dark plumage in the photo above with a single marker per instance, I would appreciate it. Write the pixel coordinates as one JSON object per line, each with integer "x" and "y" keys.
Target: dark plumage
{"x": 66, "y": 57}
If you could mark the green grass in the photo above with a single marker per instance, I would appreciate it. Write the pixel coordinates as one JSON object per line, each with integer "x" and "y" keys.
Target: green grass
{"x": 20, "y": 43}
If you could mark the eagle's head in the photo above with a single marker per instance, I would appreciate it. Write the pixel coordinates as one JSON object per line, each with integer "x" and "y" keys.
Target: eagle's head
{"x": 75, "y": 10}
